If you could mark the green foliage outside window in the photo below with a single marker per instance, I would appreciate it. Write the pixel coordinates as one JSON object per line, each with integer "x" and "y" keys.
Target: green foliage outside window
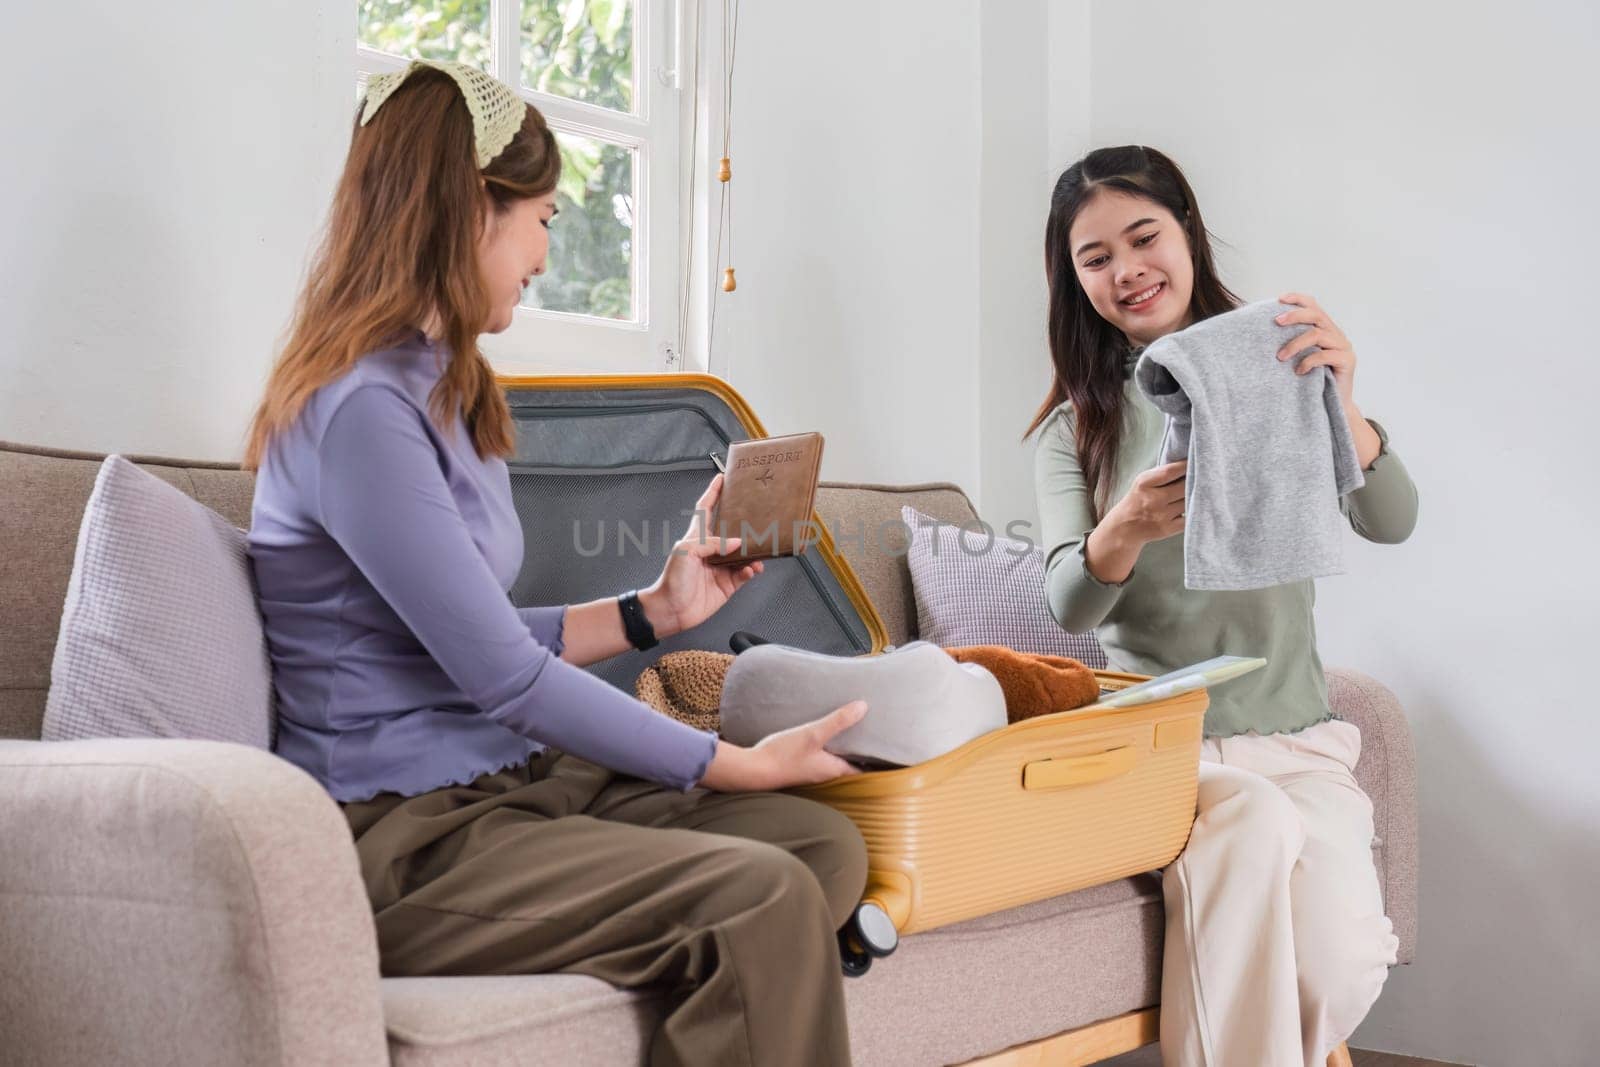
{"x": 580, "y": 49}
{"x": 444, "y": 29}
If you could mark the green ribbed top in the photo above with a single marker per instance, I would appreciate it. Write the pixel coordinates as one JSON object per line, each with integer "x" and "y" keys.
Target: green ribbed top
{"x": 1151, "y": 624}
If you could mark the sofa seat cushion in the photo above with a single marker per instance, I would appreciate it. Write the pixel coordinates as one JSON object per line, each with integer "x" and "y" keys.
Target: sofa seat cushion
{"x": 946, "y": 996}
{"x": 491, "y": 1020}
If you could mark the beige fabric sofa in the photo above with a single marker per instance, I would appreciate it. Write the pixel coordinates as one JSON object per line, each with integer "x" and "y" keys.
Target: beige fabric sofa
{"x": 195, "y": 902}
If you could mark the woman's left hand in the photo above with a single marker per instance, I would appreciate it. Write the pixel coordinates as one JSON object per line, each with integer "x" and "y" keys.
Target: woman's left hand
{"x": 690, "y": 590}
{"x": 1336, "y": 354}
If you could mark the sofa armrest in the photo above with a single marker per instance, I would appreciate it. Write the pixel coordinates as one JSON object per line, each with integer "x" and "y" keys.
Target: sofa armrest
{"x": 1387, "y": 771}
{"x": 179, "y": 902}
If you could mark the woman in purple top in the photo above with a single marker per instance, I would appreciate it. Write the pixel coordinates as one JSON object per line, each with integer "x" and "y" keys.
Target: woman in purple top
{"x": 512, "y": 813}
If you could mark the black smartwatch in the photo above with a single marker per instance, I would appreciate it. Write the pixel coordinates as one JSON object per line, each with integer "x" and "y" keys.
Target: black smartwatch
{"x": 641, "y": 634}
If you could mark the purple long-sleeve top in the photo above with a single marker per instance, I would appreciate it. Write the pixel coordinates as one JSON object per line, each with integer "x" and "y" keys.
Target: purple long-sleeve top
{"x": 383, "y": 550}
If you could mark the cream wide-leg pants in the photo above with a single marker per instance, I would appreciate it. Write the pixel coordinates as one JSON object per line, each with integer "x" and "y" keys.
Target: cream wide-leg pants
{"x": 1276, "y": 940}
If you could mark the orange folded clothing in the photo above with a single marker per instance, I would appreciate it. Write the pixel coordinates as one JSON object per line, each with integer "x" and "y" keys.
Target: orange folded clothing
{"x": 1033, "y": 684}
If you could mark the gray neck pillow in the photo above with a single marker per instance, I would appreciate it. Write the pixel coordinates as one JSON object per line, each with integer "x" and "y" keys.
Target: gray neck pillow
{"x": 920, "y": 702}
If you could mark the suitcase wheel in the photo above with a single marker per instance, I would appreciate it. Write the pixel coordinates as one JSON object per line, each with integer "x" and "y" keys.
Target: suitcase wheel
{"x": 872, "y": 929}
{"x": 852, "y": 957}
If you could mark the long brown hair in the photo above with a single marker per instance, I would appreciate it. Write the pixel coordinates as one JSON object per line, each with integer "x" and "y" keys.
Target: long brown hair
{"x": 401, "y": 244}
{"x": 1088, "y": 352}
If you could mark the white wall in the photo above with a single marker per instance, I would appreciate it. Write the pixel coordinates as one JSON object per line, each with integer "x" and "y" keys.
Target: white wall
{"x": 163, "y": 174}
{"x": 1035, "y": 121}
{"x": 855, "y": 235}
{"x": 891, "y": 169}
{"x": 1427, "y": 171}
{"x": 1014, "y": 190}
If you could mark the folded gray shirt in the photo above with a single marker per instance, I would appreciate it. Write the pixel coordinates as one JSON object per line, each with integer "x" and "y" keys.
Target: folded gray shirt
{"x": 1270, "y": 451}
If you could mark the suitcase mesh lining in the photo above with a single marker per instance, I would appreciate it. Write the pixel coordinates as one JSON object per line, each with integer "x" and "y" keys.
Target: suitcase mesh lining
{"x": 596, "y": 469}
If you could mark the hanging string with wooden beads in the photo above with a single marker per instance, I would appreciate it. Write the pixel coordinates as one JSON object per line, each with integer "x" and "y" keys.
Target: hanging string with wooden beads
{"x": 730, "y": 47}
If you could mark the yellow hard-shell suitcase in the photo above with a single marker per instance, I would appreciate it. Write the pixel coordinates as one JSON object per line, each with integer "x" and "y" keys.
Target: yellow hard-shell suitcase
{"x": 1043, "y": 807}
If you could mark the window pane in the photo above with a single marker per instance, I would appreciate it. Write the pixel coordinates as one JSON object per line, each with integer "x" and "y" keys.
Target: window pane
{"x": 580, "y": 49}
{"x": 426, "y": 29}
{"x": 590, "y": 267}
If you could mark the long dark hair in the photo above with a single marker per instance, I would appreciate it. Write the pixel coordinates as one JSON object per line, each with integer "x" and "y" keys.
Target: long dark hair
{"x": 401, "y": 240}
{"x": 1087, "y": 351}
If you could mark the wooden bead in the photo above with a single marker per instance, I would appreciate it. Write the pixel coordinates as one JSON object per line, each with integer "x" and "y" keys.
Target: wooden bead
{"x": 726, "y": 173}
{"x": 728, "y": 284}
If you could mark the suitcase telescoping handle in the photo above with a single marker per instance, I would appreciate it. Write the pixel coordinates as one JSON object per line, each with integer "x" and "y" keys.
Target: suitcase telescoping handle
{"x": 1079, "y": 770}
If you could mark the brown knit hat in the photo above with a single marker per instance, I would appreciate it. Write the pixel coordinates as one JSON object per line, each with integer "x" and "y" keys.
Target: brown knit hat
{"x": 687, "y": 686}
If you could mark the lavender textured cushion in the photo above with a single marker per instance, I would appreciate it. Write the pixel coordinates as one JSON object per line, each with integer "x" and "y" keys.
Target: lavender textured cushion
{"x": 975, "y": 587}
{"x": 161, "y": 635}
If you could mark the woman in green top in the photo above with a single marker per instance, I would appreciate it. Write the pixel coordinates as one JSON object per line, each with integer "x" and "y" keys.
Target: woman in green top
{"x": 1276, "y": 943}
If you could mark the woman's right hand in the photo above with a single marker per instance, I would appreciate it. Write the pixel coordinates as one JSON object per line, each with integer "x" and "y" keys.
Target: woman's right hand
{"x": 788, "y": 758}
{"x": 1152, "y": 510}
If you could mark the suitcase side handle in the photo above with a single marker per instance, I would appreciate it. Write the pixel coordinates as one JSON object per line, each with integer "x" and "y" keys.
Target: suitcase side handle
{"x": 1079, "y": 770}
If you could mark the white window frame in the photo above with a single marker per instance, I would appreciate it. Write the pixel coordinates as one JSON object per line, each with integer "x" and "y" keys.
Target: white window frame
{"x": 543, "y": 342}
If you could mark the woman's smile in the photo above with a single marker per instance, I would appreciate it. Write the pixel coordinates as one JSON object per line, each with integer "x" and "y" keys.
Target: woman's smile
{"x": 1145, "y": 299}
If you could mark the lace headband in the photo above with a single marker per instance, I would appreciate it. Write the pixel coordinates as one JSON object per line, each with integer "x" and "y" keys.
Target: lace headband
{"x": 497, "y": 111}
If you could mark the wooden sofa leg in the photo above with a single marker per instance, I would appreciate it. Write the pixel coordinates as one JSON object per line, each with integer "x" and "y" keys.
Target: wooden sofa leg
{"x": 1340, "y": 1056}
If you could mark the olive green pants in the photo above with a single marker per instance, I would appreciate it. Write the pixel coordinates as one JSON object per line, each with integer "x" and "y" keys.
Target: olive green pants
{"x": 729, "y": 902}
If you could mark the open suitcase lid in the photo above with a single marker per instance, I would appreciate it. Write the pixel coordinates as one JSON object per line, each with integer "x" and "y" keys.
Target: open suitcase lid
{"x": 605, "y": 478}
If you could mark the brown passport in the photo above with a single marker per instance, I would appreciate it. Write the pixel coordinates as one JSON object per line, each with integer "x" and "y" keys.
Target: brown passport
{"x": 769, "y": 488}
